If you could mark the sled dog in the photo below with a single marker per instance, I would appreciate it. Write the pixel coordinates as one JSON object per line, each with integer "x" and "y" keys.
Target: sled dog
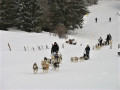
{"x": 35, "y": 68}
{"x": 82, "y": 58}
{"x": 45, "y": 66}
{"x": 56, "y": 58}
{"x": 47, "y": 60}
{"x": 56, "y": 65}
{"x": 74, "y": 59}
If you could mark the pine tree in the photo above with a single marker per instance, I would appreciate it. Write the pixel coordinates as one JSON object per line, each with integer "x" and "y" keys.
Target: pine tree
{"x": 74, "y": 12}
{"x": 90, "y": 2}
{"x": 25, "y": 15}
{"x": 67, "y": 12}
{"x": 30, "y": 16}
{"x": 18, "y": 19}
{"x": 7, "y": 14}
{"x": 36, "y": 16}
{"x": 46, "y": 15}
{"x": 56, "y": 15}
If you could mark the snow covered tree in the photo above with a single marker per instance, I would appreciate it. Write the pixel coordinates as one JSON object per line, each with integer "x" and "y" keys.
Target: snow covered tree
{"x": 56, "y": 15}
{"x": 30, "y": 16}
{"x": 18, "y": 19}
{"x": 90, "y": 2}
{"x": 7, "y": 14}
{"x": 25, "y": 15}
{"x": 74, "y": 12}
{"x": 67, "y": 12}
{"x": 0, "y": 1}
{"x": 46, "y": 15}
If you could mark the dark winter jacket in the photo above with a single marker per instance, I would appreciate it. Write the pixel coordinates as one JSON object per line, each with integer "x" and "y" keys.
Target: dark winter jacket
{"x": 100, "y": 40}
{"x": 108, "y": 38}
{"x": 55, "y": 48}
{"x": 87, "y": 49}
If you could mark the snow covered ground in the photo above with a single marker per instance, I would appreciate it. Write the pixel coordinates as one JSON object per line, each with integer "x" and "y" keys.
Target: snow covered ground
{"x": 100, "y": 72}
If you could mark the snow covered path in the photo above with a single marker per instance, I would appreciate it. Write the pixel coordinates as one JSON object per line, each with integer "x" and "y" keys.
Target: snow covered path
{"x": 101, "y": 72}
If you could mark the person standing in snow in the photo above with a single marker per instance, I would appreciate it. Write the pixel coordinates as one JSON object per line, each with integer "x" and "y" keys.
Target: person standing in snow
{"x": 55, "y": 48}
{"x": 100, "y": 41}
{"x": 87, "y": 50}
{"x": 108, "y": 39}
{"x": 110, "y": 36}
{"x": 110, "y": 19}
{"x": 96, "y": 19}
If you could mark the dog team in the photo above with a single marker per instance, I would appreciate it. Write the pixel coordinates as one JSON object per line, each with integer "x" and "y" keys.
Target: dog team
{"x": 56, "y": 57}
{"x": 103, "y": 43}
{"x": 55, "y": 60}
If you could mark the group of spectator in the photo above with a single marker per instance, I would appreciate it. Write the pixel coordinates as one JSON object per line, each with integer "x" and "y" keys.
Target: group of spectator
{"x": 107, "y": 42}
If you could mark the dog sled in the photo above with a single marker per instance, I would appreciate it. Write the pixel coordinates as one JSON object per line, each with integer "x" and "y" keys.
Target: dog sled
{"x": 84, "y": 57}
{"x": 71, "y": 41}
{"x": 56, "y": 59}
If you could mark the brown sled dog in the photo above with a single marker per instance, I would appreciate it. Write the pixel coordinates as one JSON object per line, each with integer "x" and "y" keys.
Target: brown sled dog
{"x": 35, "y": 68}
{"x": 97, "y": 47}
{"x": 45, "y": 66}
{"x": 74, "y": 59}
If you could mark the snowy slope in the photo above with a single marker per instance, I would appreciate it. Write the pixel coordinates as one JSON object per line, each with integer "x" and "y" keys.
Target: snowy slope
{"x": 101, "y": 72}
{"x": 103, "y": 11}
